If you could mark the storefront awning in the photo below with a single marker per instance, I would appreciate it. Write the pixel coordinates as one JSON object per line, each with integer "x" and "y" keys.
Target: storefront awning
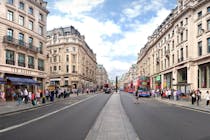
{"x": 2, "y": 81}
{"x": 21, "y": 81}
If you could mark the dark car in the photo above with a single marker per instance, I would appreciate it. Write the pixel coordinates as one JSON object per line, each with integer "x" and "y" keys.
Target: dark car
{"x": 107, "y": 90}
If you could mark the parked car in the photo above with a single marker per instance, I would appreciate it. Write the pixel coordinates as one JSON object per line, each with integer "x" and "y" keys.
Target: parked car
{"x": 107, "y": 90}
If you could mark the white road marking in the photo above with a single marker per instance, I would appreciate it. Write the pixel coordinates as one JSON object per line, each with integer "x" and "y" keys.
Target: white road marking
{"x": 41, "y": 117}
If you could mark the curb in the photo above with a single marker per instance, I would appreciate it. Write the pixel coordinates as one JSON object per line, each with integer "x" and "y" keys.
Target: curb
{"x": 188, "y": 107}
{"x": 34, "y": 107}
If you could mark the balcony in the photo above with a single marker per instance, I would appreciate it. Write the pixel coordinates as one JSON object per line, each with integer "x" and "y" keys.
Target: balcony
{"x": 40, "y": 68}
{"x": 20, "y": 43}
{"x": 31, "y": 66}
{"x": 167, "y": 53}
{"x": 11, "y": 62}
{"x": 22, "y": 64}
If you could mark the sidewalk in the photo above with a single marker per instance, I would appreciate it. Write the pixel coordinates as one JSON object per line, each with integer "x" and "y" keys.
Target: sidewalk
{"x": 187, "y": 103}
{"x": 12, "y": 106}
{"x": 112, "y": 123}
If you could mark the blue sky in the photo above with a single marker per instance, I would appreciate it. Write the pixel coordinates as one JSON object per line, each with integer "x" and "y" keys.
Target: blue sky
{"x": 115, "y": 30}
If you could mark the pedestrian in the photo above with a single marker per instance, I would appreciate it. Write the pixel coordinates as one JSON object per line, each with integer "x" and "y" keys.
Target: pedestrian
{"x": 137, "y": 96}
{"x": 198, "y": 96}
{"x": 207, "y": 98}
{"x": 169, "y": 93}
{"x": 175, "y": 95}
{"x": 193, "y": 97}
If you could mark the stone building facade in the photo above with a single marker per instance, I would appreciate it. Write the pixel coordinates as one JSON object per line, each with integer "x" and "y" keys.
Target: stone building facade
{"x": 71, "y": 62}
{"x": 177, "y": 54}
{"x": 101, "y": 76}
{"x": 22, "y": 44}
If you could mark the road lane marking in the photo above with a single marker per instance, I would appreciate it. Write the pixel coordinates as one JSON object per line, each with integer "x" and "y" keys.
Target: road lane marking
{"x": 44, "y": 116}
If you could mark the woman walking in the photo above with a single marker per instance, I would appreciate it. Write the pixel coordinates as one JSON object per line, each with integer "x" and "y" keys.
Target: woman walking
{"x": 207, "y": 98}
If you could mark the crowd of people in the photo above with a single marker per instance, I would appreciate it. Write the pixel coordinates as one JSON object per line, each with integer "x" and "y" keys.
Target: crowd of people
{"x": 24, "y": 95}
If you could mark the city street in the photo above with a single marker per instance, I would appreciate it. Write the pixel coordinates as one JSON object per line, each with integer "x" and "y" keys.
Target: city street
{"x": 154, "y": 120}
{"x": 60, "y": 120}
{"x": 100, "y": 117}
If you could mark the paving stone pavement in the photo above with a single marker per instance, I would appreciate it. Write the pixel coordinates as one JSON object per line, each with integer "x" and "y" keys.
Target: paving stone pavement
{"x": 112, "y": 123}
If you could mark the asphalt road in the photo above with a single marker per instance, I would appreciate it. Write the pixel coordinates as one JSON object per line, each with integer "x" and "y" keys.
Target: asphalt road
{"x": 61, "y": 121}
{"x": 154, "y": 120}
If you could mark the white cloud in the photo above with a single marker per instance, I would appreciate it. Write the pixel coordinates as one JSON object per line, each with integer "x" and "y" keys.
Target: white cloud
{"x": 94, "y": 31}
{"x": 76, "y": 7}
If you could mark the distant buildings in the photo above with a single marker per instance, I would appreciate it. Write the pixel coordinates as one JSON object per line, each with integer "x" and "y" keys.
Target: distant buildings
{"x": 177, "y": 54}
{"x": 101, "y": 76}
{"x": 71, "y": 62}
{"x": 22, "y": 44}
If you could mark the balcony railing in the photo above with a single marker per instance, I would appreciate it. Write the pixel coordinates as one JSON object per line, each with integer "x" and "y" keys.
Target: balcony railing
{"x": 40, "y": 68}
{"x": 22, "y": 44}
{"x": 11, "y": 62}
{"x": 22, "y": 64}
{"x": 31, "y": 66}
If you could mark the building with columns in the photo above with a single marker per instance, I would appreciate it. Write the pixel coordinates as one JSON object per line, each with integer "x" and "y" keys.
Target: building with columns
{"x": 71, "y": 61}
{"x": 22, "y": 44}
{"x": 101, "y": 76}
{"x": 177, "y": 54}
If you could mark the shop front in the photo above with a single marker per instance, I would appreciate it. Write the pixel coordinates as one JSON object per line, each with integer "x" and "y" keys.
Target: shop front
{"x": 158, "y": 82}
{"x": 204, "y": 75}
{"x": 182, "y": 85}
{"x": 18, "y": 82}
{"x": 167, "y": 80}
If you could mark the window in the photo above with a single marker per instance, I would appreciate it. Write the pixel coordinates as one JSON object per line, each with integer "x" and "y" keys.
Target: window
{"x": 21, "y": 60}
{"x": 181, "y": 36}
{"x": 40, "y": 47}
{"x": 30, "y": 42}
{"x": 31, "y": 62}
{"x": 10, "y": 59}
{"x": 40, "y": 17}
{"x": 208, "y": 45}
{"x": 30, "y": 10}
{"x": 73, "y": 69}
{"x": 200, "y": 29}
{"x": 208, "y": 9}
{"x": 182, "y": 54}
{"x": 30, "y": 25}
{"x": 186, "y": 34}
{"x": 21, "y": 39}
{"x": 186, "y": 51}
{"x": 10, "y": 15}
{"x": 40, "y": 30}
{"x": 59, "y": 67}
{"x": 73, "y": 58}
{"x": 186, "y": 21}
{"x": 9, "y": 34}
{"x": 200, "y": 48}
{"x": 55, "y": 68}
{"x": 54, "y": 58}
{"x": 21, "y": 20}
{"x": 200, "y": 14}
{"x": 67, "y": 58}
{"x": 208, "y": 25}
{"x": 41, "y": 64}
{"x": 10, "y": 2}
{"x": 173, "y": 59}
{"x": 67, "y": 68}
{"x": 67, "y": 49}
{"x": 173, "y": 45}
{"x": 74, "y": 49}
{"x": 21, "y": 5}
